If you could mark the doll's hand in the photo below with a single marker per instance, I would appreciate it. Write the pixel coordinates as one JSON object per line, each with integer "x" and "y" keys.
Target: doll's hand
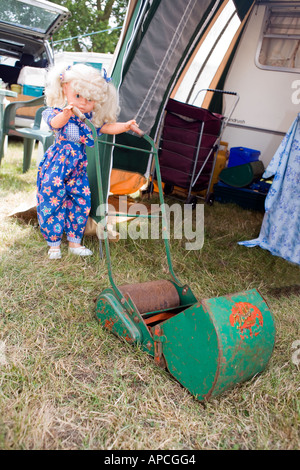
{"x": 134, "y": 127}
{"x": 129, "y": 124}
{"x": 68, "y": 111}
{"x": 119, "y": 127}
{"x": 62, "y": 118}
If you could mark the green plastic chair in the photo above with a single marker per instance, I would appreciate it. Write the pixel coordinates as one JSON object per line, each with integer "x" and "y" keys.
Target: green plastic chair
{"x": 30, "y": 134}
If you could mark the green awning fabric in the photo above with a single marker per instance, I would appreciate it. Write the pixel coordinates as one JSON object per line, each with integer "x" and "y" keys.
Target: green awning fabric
{"x": 160, "y": 37}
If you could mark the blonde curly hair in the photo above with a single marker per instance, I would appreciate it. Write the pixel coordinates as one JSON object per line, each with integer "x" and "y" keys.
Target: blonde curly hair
{"x": 88, "y": 82}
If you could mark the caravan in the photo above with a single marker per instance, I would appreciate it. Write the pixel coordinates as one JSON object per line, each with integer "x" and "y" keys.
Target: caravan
{"x": 258, "y": 57}
{"x": 265, "y": 72}
{"x": 246, "y": 47}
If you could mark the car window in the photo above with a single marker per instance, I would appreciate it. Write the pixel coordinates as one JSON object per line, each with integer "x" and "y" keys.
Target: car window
{"x": 28, "y": 15}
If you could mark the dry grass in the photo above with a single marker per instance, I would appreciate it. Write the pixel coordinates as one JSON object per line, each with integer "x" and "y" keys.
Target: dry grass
{"x": 65, "y": 383}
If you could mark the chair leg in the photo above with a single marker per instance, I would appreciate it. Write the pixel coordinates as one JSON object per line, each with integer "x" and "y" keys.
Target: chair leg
{"x": 48, "y": 142}
{"x": 2, "y": 144}
{"x": 28, "y": 148}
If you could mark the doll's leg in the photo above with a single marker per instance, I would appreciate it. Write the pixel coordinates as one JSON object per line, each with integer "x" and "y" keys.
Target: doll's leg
{"x": 78, "y": 208}
{"x": 51, "y": 211}
{"x": 54, "y": 246}
{"x": 52, "y": 238}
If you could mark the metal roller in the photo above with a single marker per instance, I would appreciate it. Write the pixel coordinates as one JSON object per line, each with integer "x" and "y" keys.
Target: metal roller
{"x": 152, "y": 295}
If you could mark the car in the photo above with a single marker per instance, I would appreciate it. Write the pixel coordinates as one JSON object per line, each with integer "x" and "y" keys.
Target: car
{"x": 25, "y": 30}
{"x": 26, "y": 27}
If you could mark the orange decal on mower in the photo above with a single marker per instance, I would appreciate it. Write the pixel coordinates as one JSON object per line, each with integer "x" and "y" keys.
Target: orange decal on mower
{"x": 247, "y": 318}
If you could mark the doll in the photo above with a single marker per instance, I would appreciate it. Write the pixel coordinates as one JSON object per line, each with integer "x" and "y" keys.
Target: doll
{"x": 63, "y": 192}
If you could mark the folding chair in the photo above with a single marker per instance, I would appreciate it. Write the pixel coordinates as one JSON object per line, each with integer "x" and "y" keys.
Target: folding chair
{"x": 30, "y": 134}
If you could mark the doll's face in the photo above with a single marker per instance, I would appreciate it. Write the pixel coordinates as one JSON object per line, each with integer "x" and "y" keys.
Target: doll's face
{"x": 75, "y": 99}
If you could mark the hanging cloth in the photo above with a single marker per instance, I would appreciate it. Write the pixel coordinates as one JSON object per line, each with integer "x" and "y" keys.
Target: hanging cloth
{"x": 281, "y": 223}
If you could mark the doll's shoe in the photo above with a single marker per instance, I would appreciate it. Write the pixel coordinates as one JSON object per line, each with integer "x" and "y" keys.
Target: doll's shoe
{"x": 54, "y": 253}
{"x": 80, "y": 251}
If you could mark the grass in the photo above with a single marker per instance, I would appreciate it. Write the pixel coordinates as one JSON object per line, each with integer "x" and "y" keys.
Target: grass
{"x": 68, "y": 384}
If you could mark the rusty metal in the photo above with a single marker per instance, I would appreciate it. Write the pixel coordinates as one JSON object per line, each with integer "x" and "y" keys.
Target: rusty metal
{"x": 159, "y": 339}
{"x": 152, "y": 295}
{"x": 158, "y": 318}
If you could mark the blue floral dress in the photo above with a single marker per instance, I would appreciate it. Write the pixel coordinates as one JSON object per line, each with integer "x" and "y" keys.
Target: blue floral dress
{"x": 63, "y": 192}
{"x": 280, "y": 229}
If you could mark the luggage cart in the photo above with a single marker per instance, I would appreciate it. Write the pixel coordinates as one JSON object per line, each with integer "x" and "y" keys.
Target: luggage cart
{"x": 189, "y": 144}
{"x": 208, "y": 346}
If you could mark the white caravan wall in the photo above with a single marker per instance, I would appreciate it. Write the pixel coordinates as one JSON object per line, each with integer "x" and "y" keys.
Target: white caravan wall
{"x": 265, "y": 110}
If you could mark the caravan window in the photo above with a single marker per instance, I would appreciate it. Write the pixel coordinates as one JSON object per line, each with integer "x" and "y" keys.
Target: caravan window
{"x": 209, "y": 56}
{"x": 279, "y": 46}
